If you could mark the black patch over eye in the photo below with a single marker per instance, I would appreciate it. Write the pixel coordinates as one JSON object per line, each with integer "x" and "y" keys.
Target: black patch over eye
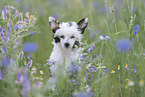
{"x": 76, "y": 44}
{"x": 61, "y": 36}
{"x": 56, "y": 39}
{"x": 72, "y": 37}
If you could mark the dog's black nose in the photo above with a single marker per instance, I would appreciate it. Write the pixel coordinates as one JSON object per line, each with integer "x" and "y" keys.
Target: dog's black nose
{"x": 66, "y": 44}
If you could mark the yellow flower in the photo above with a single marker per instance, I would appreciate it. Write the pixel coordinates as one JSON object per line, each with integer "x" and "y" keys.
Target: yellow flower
{"x": 127, "y": 79}
{"x": 141, "y": 82}
{"x": 88, "y": 65}
{"x": 41, "y": 71}
{"x": 112, "y": 71}
{"x": 118, "y": 67}
{"x": 130, "y": 83}
{"x": 33, "y": 71}
{"x": 99, "y": 67}
{"x": 34, "y": 68}
{"x": 103, "y": 66}
{"x": 126, "y": 65}
{"x": 112, "y": 86}
{"x": 126, "y": 86}
{"x": 25, "y": 63}
{"x": 40, "y": 77}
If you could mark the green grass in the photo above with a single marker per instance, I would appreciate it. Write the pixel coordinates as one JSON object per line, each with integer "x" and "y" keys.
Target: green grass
{"x": 116, "y": 23}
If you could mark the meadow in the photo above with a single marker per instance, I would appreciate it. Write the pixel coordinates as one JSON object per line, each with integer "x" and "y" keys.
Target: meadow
{"x": 112, "y": 62}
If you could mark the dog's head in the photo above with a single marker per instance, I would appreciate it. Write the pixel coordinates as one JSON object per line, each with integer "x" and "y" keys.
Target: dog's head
{"x": 68, "y": 34}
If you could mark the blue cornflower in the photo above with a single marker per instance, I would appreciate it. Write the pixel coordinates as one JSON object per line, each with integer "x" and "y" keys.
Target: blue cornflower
{"x": 5, "y": 33}
{"x": 7, "y": 10}
{"x": 4, "y": 29}
{"x": 123, "y": 44}
{"x": 16, "y": 13}
{"x": 136, "y": 29}
{"x": 95, "y": 69}
{"x": 92, "y": 58}
{"x": 30, "y": 47}
{"x": 107, "y": 70}
{"x": 8, "y": 34}
{"x": 134, "y": 9}
{"x": 83, "y": 94}
{"x": 90, "y": 78}
{"x": 17, "y": 26}
{"x": 9, "y": 24}
{"x": 103, "y": 9}
{"x": 21, "y": 56}
{"x": 134, "y": 70}
{"x": 99, "y": 55}
{"x": 101, "y": 75}
{"x": 26, "y": 84}
{"x": 91, "y": 94}
{"x": 28, "y": 57}
{"x": 95, "y": 4}
{"x": 91, "y": 49}
{"x": 3, "y": 38}
{"x": 91, "y": 35}
{"x": 4, "y": 15}
{"x": 5, "y": 61}
{"x": 83, "y": 56}
{"x": 1, "y": 75}
{"x": 30, "y": 63}
{"x": 139, "y": 77}
{"x": 20, "y": 78}
{"x": 3, "y": 49}
{"x": 74, "y": 69}
{"x": 31, "y": 32}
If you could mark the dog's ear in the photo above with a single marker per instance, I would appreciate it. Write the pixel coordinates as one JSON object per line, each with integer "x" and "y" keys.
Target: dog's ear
{"x": 82, "y": 24}
{"x": 54, "y": 24}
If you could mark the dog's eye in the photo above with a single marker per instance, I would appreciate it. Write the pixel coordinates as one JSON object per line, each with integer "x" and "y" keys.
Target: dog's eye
{"x": 61, "y": 36}
{"x": 72, "y": 37}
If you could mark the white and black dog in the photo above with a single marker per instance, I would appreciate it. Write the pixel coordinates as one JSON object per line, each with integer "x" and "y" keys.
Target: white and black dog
{"x": 67, "y": 40}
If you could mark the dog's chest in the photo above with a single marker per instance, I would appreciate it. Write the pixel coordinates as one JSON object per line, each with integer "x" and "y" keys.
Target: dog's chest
{"x": 70, "y": 55}
{"x": 59, "y": 55}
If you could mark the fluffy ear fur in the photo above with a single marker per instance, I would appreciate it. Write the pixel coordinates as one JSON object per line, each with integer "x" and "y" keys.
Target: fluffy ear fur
{"x": 54, "y": 24}
{"x": 82, "y": 24}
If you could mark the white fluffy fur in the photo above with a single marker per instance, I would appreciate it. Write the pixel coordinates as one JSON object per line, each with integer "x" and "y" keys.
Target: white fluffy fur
{"x": 61, "y": 55}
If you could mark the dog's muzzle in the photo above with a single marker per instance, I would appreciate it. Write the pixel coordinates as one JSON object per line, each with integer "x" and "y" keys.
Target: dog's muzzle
{"x": 67, "y": 45}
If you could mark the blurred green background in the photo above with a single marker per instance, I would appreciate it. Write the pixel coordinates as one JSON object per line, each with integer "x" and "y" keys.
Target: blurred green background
{"x": 100, "y": 21}
{"x": 114, "y": 18}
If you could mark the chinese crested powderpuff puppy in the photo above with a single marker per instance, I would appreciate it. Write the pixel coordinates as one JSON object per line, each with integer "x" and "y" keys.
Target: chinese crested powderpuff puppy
{"x": 67, "y": 38}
